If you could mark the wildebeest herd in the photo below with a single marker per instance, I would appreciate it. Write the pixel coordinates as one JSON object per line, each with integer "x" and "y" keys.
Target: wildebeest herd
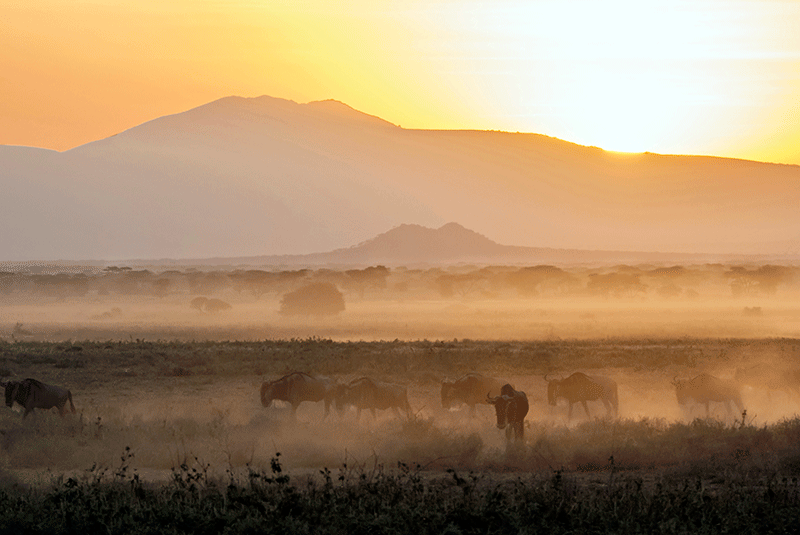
{"x": 511, "y": 405}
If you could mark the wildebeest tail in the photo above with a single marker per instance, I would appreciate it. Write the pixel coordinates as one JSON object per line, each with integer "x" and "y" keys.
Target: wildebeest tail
{"x": 71, "y": 405}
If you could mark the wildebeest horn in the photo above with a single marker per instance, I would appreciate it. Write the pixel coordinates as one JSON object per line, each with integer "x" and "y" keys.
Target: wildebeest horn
{"x": 490, "y": 399}
{"x": 545, "y": 376}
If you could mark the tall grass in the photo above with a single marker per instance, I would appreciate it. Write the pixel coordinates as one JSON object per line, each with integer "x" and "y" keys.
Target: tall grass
{"x": 403, "y": 500}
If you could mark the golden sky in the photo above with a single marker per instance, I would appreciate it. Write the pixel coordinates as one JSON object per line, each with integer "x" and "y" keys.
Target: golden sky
{"x": 718, "y": 77}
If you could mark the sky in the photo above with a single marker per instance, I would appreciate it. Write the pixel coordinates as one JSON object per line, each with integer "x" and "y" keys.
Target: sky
{"x": 679, "y": 77}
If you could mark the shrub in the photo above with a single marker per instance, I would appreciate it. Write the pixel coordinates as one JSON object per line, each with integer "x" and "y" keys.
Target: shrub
{"x": 320, "y": 298}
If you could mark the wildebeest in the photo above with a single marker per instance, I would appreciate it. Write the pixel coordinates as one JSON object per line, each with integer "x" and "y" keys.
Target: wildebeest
{"x": 33, "y": 394}
{"x": 296, "y": 388}
{"x": 706, "y": 388}
{"x": 469, "y": 390}
{"x": 364, "y": 393}
{"x": 511, "y": 407}
{"x": 580, "y": 387}
{"x": 770, "y": 379}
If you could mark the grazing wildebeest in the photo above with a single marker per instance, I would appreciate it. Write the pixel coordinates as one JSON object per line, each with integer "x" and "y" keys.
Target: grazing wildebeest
{"x": 364, "y": 393}
{"x": 706, "y": 388}
{"x": 33, "y": 394}
{"x": 469, "y": 390}
{"x": 511, "y": 407}
{"x": 580, "y": 387}
{"x": 296, "y": 388}
{"x": 769, "y": 379}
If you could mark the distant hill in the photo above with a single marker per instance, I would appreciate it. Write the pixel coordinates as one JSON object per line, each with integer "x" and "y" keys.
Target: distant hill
{"x": 243, "y": 177}
{"x": 452, "y": 244}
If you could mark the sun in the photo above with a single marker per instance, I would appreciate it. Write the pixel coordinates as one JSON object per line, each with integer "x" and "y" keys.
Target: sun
{"x": 618, "y": 109}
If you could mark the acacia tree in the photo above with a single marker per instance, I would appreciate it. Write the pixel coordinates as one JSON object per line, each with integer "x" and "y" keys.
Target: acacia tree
{"x": 616, "y": 284}
{"x": 361, "y": 280}
{"x": 764, "y": 279}
{"x": 315, "y": 299}
{"x": 531, "y": 281}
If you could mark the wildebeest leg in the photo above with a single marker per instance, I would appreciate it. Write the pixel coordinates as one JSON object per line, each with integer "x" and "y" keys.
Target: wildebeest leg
{"x": 729, "y": 408}
{"x": 569, "y": 414}
{"x": 708, "y": 412}
{"x": 472, "y": 411}
{"x": 586, "y": 408}
{"x": 374, "y": 416}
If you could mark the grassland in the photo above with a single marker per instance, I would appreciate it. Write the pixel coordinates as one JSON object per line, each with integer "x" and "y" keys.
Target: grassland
{"x": 170, "y": 436}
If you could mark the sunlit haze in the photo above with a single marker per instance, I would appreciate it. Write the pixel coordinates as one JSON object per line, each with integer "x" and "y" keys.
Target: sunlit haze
{"x": 699, "y": 77}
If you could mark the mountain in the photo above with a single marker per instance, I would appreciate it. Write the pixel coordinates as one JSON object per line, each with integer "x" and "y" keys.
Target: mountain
{"x": 263, "y": 176}
{"x": 417, "y": 246}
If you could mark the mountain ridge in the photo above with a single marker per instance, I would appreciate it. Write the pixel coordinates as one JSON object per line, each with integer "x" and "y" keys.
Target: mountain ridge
{"x": 415, "y": 246}
{"x": 267, "y": 176}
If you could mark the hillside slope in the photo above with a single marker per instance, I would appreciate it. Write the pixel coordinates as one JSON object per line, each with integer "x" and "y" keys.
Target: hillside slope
{"x": 266, "y": 176}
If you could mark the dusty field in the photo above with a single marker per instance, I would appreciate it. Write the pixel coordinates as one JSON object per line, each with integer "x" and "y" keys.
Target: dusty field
{"x": 198, "y": 403}
{"x": 172, "y": 435}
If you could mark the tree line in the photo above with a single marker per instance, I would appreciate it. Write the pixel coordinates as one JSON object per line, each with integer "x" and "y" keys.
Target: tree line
{"x": 380, "y": 282}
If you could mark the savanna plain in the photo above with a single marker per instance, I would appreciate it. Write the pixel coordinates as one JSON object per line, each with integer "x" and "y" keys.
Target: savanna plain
{"x": 170, "y": 436}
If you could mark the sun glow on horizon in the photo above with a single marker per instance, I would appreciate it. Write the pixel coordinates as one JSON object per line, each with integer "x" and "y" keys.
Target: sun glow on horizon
{"x": 699, "y": 77}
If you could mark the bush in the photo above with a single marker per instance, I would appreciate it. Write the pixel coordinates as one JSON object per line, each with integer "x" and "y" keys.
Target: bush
{"x": 320, "y": 298}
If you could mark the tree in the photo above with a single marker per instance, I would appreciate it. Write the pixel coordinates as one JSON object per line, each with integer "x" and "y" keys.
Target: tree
{"x": 616, "y": 284}
{"x": 315, "y": 299}
{"x": 531, "y": 281}
{"x": 764, "y": 279}
{"x": 361, "y": 280}
{"x": 161, "y": 287}
{"x": 198, "y": 303}
{"x": 212, "y": 306}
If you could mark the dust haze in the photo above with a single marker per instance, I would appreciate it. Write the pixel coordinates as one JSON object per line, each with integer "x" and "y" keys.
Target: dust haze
{"x": 49, "y": 302}
{"x": 168, "y": 363}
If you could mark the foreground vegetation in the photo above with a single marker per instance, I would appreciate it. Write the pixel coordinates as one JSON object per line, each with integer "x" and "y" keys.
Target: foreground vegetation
{"x": 404, "y": 501}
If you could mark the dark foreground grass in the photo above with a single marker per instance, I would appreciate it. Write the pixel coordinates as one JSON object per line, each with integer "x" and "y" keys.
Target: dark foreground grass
{"x": 404, "y": 500}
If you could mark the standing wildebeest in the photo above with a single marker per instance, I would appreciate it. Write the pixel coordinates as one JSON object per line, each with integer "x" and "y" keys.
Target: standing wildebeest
{"x": 706, "y": 388}
{"x": 296, "y": 388}
{"x": 33, "y": 394}
{"x": 580, "y": 387}
{"x": 364, "y": 393}
{"x": 769, "y": 379}
{"x": 511, "y": 407}
{"x": 469, "y": 390}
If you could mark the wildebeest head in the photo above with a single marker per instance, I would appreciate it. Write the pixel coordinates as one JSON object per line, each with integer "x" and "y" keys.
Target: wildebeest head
{"x": 510, "y": 407}
{"x": 267, "y": 394}
{"x": 681, "y": 390}
{"x": 552, "y": 390}
{"x": 11, "y": 388}
{"x": 501, "y": 405}
{"x": 341, "y": 397}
